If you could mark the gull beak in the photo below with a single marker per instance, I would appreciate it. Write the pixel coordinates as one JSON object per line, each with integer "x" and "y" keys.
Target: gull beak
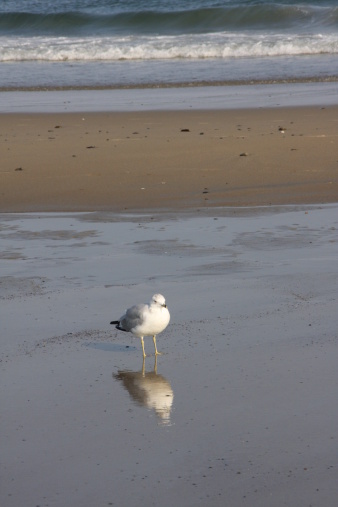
{"x": 164, "y": 306}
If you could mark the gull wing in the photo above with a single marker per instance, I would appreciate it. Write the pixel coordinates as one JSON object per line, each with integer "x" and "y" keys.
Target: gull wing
{"x": 133, "y": 317}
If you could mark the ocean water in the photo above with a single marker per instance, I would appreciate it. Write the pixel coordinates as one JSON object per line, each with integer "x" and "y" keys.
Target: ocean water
{"x": 111, "y": 43}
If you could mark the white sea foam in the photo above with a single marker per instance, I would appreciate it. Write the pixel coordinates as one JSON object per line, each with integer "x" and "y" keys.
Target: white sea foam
{"x": 221, "y": 45}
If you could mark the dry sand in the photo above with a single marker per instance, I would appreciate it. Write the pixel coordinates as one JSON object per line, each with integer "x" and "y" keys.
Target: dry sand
{"x": 137, "y": 161}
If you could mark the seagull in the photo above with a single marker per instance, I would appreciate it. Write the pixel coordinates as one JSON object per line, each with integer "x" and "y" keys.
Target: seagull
{"x": 145, "y": 320}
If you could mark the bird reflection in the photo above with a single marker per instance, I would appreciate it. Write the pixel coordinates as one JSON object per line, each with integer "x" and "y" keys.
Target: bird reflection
{"x": 149, "y": 389}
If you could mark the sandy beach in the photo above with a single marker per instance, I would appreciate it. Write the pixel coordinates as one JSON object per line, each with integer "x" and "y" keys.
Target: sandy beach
{"x": 232, "y": 215}
{"x": 168, "y": 159}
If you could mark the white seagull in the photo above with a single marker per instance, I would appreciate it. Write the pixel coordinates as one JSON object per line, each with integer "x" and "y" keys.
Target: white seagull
{"x": 145, "y": 320}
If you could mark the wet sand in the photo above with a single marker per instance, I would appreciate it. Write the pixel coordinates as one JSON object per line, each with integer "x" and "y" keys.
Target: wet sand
{"x": 241, "y": 407}
{"x": 168, "y": 159}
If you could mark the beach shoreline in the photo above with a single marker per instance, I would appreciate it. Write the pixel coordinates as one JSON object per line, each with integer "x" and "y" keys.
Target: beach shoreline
{"x": 166, "y": 96}
{"x": 330, "y": 78}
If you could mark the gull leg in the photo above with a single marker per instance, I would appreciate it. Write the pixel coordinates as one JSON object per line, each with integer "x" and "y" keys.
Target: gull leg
{"x": 157, "y": 353}
{"x": 142, "y": 342}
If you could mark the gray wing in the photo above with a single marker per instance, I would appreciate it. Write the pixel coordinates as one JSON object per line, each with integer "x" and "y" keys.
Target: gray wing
{"x": 133, "y": 317}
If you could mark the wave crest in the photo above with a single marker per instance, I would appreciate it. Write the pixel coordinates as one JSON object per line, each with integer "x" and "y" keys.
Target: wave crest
{"x": 149, "y": 48}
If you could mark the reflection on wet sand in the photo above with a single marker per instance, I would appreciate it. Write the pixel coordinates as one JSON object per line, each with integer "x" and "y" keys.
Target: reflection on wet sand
{"x": 149, "y": 389}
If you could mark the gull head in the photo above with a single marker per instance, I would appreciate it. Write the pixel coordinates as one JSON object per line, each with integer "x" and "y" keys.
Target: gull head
{"x": 158, "y": 299}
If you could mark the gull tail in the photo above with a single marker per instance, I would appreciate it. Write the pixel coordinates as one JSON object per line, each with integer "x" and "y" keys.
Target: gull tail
{"x": 117, "y": 325}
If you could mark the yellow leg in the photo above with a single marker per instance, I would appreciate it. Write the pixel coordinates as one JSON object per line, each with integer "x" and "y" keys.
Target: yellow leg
{"x": 157, "y": 353}
{"x": 142, "y": 342}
